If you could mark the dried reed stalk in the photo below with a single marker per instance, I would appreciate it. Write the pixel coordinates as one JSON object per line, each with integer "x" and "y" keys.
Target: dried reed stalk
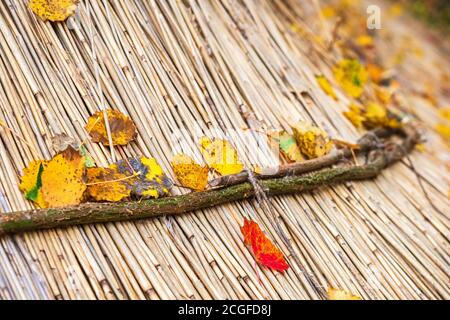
{"x": 173, "y": 64}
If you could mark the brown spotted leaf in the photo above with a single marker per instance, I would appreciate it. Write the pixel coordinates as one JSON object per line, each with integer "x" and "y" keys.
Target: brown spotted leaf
{"x": 122, "y": 128}
{"x": 106, "y": 184}
{"x": 150, "y": 181}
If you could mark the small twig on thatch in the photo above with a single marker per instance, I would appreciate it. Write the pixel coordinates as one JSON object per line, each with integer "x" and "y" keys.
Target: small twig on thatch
{"x": 378, "y": 159}
{"x": 368, "y": 142}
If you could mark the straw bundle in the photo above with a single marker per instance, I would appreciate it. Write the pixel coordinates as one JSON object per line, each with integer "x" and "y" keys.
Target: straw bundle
{"x": 191, "y": 66}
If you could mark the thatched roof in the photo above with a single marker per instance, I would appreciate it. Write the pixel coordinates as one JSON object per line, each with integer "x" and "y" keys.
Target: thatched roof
{"x": 173, "y": 64}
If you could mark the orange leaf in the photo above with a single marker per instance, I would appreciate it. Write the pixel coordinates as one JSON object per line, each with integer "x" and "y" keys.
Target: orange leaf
{"x": 263, "y": 249}
{"x": 63, "y": 179}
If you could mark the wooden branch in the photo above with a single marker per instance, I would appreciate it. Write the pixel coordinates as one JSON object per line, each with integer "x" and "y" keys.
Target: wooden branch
{"x": 368, "y": 142}
{"x": 86, "y": 213}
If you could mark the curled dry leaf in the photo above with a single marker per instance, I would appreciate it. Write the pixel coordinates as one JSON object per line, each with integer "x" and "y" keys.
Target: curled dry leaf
{"x": 220, "y": 156}
{"x": 287, "y": 145}
{"x": 326, "y": 86}
{"x": 31, "y": 182}
{"x": 61, "y": 141}
{"x": 263, "y": 249}
{"x": 351, "y": 76}
{"x": 189, "y": 173}
{"x": 63, "y": 179}
{"x": 53, "y": 10}
{"x": 149, "y": 182}
{"x": 337, "y": 294}
{"x": 313, "y": 141}
{"x": 106, "y": 184}
{"x": 122, "y": 128}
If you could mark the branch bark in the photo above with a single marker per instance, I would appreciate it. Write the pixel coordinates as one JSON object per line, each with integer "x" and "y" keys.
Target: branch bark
{"x": 378, "y": 159}
{"x": 368, "y": 142}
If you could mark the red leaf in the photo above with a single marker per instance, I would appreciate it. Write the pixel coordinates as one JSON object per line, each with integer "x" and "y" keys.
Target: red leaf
{"x": 263, "y": 249}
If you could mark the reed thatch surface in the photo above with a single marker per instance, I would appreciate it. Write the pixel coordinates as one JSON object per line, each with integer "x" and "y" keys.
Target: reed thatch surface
{"x": 173, "y": 64}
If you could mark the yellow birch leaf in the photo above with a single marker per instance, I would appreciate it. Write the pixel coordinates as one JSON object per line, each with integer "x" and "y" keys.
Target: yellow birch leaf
{"x": 326, "y": 86}
{"x": 420, "y": 147}
{"x": 53, "y": 10}
{"x": 354, "y": 115}
{"x": 288, "y": 145}
{"x": 150, "y": 181}
{"x": 313, "y": 141}
{"x": 337, "y": 294}
{"x": 373, "y": 115}
{"x": 296, "y": 28}
{"x": 31, "y": 182}
{"x": 328, "y": 12}
{"x": 365, "y": 41}
{"x": 445, "y": 113}
{"x": 122, "y": 128}
{"x": 63, "y": 179}
{"x": 220, "y": 156}
{"x": 443, "y": 130}
{"x": 106, "y": 184}
{"x": 383, "y": 95}
{"x": 351, "y": 76}
{"x": 257, "y": 169}
{"x": 376, "y": 115}
{"x": 396, "y": 10}
{"x": 189, "y": 173}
